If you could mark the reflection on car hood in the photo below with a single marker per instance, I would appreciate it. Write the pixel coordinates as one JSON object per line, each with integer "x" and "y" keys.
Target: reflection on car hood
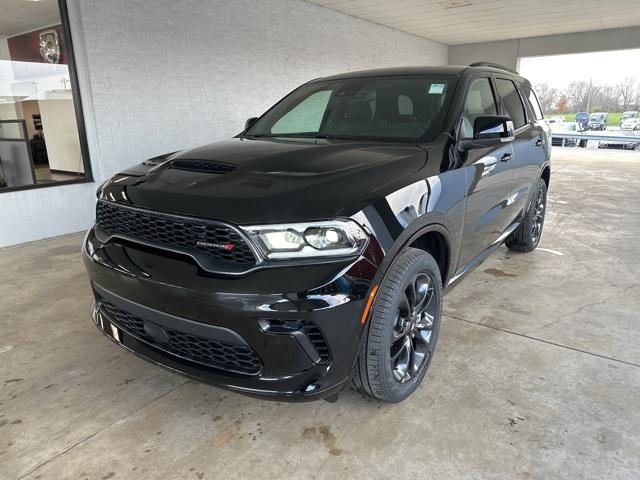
{"x": 266, "y": 180}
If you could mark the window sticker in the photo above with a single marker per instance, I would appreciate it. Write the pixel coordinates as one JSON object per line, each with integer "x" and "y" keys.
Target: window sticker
{"x": 436, "y": 89}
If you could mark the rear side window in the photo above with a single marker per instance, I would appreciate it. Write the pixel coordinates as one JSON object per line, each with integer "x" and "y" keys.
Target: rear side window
{"x": 533, "y": 100}
{"x": 512, "y": 102}
{"x": 480, "y": 101}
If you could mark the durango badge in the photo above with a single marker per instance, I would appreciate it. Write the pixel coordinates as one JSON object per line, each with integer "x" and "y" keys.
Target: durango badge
{"x": 222, "y": 246}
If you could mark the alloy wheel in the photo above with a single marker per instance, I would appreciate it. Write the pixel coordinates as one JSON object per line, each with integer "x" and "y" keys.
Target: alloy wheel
{"x": 411, "y": 343}
{"x": 538, "y": 218}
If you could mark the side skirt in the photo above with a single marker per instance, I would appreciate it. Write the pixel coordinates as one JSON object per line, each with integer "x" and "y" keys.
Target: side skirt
{"x": 473, "y": 264}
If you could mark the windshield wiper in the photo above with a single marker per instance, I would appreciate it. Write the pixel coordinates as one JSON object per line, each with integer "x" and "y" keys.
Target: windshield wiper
{"x": 256, "y": 135}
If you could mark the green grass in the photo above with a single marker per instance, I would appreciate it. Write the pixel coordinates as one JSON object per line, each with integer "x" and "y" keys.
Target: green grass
{"x": 614, "y": 117}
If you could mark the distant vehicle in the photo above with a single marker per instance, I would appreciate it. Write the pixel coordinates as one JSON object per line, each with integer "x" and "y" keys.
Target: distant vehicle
{"x": 554, "y": 120}
{"x": 564, "y": 127}
{"x": 582, "y": 119}
{"x": 598, "y": 121}
{"x": 629, "y": 114}
{"x": 630, "y": 124}
{"x": 630, "y": 121}
{"x": 618, "y": 145}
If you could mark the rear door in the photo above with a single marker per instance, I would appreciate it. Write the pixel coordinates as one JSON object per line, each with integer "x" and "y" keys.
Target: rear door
{"x": 529, "y": 145}
{"x": 489, "y": 176}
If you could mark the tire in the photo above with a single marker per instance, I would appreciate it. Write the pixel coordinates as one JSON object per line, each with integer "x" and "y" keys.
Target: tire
{"x": 396, "y": 347}
{"x": 527, "y": 236}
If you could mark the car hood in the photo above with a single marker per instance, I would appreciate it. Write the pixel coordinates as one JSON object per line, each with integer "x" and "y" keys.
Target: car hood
{"x": 247, "y": 181}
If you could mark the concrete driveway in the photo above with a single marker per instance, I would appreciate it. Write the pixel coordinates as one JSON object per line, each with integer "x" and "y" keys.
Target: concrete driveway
{"x": 536, "y": 375}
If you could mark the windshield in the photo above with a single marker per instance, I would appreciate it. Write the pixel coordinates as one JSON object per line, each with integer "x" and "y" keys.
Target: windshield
{"x": 581, "y": 116}
{"x": 597, "y": 117}
{"x": 403, "y": 108}
{"x": 629, "y": 114}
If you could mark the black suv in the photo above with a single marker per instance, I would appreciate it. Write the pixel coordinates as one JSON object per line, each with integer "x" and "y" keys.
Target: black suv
{"x": 314, "y": 248}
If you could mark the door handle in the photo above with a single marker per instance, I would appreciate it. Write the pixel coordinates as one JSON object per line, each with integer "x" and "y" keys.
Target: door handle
{"x": 506, "y": 157}
{"x": 539, "y": 142}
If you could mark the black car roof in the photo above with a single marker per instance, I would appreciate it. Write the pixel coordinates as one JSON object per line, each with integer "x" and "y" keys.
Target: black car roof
{"x": 398, "y": 71}
{"x": 455, "y": 70}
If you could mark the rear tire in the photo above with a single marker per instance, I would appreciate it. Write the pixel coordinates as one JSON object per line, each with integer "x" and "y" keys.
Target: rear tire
{"x": 527, "y": 236}
{"x": 400, "y": 337}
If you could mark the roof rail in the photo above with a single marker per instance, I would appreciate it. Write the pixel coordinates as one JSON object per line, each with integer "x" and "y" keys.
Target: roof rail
{"x": 494, "y": 65}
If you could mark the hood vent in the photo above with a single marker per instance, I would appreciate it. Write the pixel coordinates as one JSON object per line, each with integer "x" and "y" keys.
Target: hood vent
{"x": 204, "y": 166}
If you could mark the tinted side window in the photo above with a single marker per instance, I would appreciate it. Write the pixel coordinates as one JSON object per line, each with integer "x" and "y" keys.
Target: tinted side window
{"x": 512, "y": 102}
{"x": 480, "y": 101}
{"x": 535, "y": 105}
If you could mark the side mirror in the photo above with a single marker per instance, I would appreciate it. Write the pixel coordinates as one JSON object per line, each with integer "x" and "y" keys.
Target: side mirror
{"x": 249, "y": 123}
{"x": 489, "y": 131}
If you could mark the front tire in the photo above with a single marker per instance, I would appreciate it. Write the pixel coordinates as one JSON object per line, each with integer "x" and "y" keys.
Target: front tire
{"x": 400, "y": 337}
{"x": 527, "y": 236}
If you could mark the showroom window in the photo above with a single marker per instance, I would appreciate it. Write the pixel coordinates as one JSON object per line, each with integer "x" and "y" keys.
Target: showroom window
{"x": 41, "y": 132}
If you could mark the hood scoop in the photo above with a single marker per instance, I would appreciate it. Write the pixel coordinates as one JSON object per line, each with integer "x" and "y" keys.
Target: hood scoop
{"x": 203, "y": 166}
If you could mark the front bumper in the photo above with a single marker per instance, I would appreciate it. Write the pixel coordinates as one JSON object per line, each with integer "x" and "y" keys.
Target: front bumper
{"x": 289, "y": 333}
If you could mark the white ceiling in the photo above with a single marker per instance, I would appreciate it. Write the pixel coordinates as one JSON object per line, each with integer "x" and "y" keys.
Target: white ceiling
{"x": 19, "y": 16}
{"x": 451, "y": 22}
{"x": 456, "y": 22}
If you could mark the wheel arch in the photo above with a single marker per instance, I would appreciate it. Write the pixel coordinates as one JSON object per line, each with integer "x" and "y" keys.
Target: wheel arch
{"x": 435, "y": 243}
{"x": 546, "y": 175}
{"x": 433, "y": 238}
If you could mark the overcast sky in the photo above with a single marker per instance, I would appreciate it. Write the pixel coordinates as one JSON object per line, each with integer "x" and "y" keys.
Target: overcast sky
{"x": 603, "y": 67}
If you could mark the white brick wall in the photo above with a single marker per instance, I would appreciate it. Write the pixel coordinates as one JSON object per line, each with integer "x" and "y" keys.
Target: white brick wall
{"x": 162, "y": 75}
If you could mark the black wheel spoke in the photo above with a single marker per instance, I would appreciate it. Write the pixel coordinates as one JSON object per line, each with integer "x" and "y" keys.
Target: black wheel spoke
{"x": 426, "y": 322}
{"x": 418, "y": 354}
{"x": 399, "y": 325}
{"x": 401, "y": 362}
{"x": 423, "y": 290}
{"x": 405, "y": 305}
{"x": 423, "y": 338}
{"x": 397, "y": 346}
{"x": 410, "y": 293}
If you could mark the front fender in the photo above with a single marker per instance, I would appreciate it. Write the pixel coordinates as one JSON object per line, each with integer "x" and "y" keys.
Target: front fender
{"x": 400, "y": 217}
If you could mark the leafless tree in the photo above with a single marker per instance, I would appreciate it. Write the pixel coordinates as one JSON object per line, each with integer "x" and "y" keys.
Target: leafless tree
{"x": 579, "y": 95}
{"x": 547, "y": 96}
{"x": 627, "y": 91}
{"x": 584, "y": 96}
{"x": 605, "y": 98}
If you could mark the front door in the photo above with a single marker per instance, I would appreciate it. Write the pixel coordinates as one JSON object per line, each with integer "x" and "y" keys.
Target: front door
{"x": 489, "y": 177}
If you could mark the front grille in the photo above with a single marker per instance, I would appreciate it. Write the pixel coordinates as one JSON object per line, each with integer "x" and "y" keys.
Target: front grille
{"x": 205, "y": 351}
{"x": 206, "y": 166}
{"x": 217, "y": 244}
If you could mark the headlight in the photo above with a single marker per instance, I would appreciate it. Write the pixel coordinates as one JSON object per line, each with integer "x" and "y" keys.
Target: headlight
{"x": 335, "y": 238}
